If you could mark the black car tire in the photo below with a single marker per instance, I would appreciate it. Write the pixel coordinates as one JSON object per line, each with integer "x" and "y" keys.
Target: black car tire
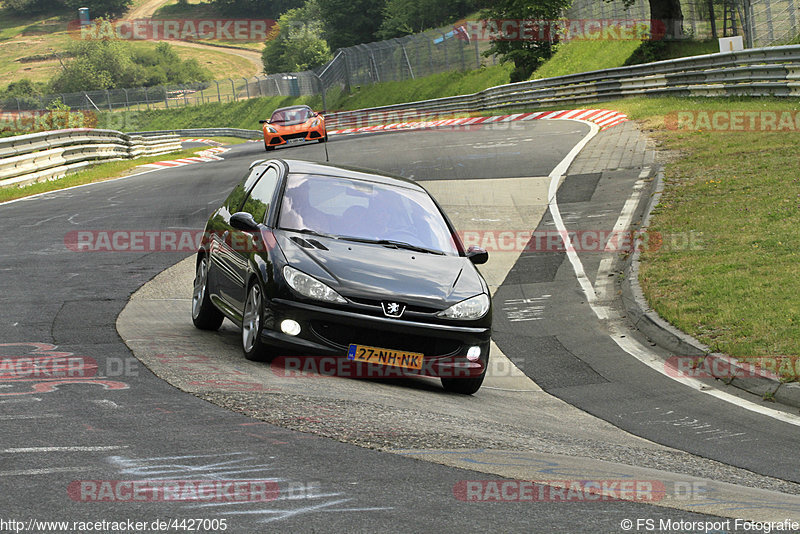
{"x": 467, "y": 386}
{"x": 253, "y": 324}
{"x": 323, "y": 139}
{"x": 205, "y": 315}
{"x": 268, "y": 147}
{"x": 464, "y": 386}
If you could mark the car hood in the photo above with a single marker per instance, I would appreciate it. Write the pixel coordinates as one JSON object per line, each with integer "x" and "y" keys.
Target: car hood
{"x": 291, "y": 126}
{"x": 377, "y": 272}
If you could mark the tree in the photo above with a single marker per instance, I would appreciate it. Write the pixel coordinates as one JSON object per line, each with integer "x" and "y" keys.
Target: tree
{"x": 666, "y": 17}
{"x": 404, "y": 17}
{"x": 350, "y": 22}
{"x": 298, "y": 44}
{"x": 267, "y": 9}
{"x": 23, "y": 7}
{"x": 526, "y": 54}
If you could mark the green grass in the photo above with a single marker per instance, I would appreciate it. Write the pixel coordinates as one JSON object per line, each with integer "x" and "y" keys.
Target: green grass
{"x": 436, "y": 86}
{"x": 246, "y": 113}
{"x": 583, "y": 56}
{"x": 227, "y": 140}
{"x": 41, "y": 34}
{"x": 738, "y": 195}
{"x": 661, "y": 50}
{"x": 96, "y": 173}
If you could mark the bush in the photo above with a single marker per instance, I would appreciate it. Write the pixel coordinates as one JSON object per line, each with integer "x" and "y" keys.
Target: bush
{"x": 24, "y": 7}
{"x": 109, "y": 64}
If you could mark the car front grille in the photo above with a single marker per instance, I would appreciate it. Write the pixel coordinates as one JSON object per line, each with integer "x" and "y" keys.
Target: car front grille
{"x": 301, "y": 135}
{"x": 343, "y": 335}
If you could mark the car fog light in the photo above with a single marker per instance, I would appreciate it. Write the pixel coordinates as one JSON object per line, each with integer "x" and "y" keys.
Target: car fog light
{"x": 292, "y": 328}
{"x": 474, "y": 354}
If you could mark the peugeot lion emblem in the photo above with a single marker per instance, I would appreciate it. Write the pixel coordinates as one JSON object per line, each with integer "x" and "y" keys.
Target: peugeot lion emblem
{"x": 393, "y": 309}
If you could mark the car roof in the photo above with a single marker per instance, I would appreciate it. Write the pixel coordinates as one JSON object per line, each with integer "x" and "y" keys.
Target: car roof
{"x": 355, "y": 173}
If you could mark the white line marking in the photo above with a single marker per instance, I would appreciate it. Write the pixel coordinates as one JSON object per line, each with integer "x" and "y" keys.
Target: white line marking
{"x": 555, "y": 180}
{"x": 63, "y": 449}
{"x": 46, "y": 471}
{"x": 602, "y": 283}
{"x": 105, "y": 402}
{"x": 617, "y": 328}
{"x": 12, "y": 417}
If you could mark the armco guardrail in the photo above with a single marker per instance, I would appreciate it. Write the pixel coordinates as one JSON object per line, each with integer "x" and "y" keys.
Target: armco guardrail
{"x": 773, "y": 71}
{"x": 207, "y": 132}
{"x": 25, "y": 159}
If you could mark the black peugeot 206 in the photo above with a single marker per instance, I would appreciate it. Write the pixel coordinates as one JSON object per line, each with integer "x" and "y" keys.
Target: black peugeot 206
{"x": 324, "y": 260}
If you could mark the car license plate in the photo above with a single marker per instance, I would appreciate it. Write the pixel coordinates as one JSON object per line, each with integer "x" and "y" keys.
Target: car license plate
{"x": 397, "y": 358}
{"x": 296, "y": 141}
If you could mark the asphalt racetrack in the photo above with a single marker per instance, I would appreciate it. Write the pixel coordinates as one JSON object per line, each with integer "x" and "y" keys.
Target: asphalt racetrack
{"x": 154, "y": 400}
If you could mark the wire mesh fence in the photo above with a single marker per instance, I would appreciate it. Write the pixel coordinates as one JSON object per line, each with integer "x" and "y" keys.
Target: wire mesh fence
{"x": 762, "y": 22}
{"x": 396, "y": 59}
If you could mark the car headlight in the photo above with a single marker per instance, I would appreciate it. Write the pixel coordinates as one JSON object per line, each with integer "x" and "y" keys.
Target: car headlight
{"x": 471, "y": 308}
{"x": 315, "y": 123}
{"x": 310, "y": 287}
{"x": 270, "y": 129}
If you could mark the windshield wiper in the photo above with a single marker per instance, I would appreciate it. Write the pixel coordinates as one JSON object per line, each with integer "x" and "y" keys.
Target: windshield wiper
{"x": 394, "y": 244}
{"x": 309, "y": 231}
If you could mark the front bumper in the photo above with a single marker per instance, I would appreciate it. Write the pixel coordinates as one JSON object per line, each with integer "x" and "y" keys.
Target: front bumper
{"x": 278, "y": 139}
{"x": 329, "y": 332}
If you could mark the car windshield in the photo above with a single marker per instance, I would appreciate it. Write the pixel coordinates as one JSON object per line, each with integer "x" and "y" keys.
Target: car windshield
{"x": 291, "y": 116}
{"x": 364, "y": 211}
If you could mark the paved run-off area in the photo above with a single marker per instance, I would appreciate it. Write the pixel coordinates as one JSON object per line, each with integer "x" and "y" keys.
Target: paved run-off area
{"x": 511, "y": 428}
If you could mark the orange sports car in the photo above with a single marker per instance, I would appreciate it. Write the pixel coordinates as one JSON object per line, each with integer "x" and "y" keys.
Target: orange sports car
{"x": 295, "y": 124}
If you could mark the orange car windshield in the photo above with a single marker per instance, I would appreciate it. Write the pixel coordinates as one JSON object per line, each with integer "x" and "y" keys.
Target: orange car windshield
{"x": 294, "y": 116}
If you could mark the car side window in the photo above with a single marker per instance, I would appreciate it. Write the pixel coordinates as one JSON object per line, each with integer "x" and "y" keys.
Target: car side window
{"x": 261, "y": 196}
{"x": 234, "y": 201}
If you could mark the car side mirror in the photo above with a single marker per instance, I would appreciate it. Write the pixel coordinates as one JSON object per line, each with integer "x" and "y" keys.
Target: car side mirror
{"x": 244, "y": 221}
{"x": 477, "y": 255}
{"x": 263, "y": 122}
